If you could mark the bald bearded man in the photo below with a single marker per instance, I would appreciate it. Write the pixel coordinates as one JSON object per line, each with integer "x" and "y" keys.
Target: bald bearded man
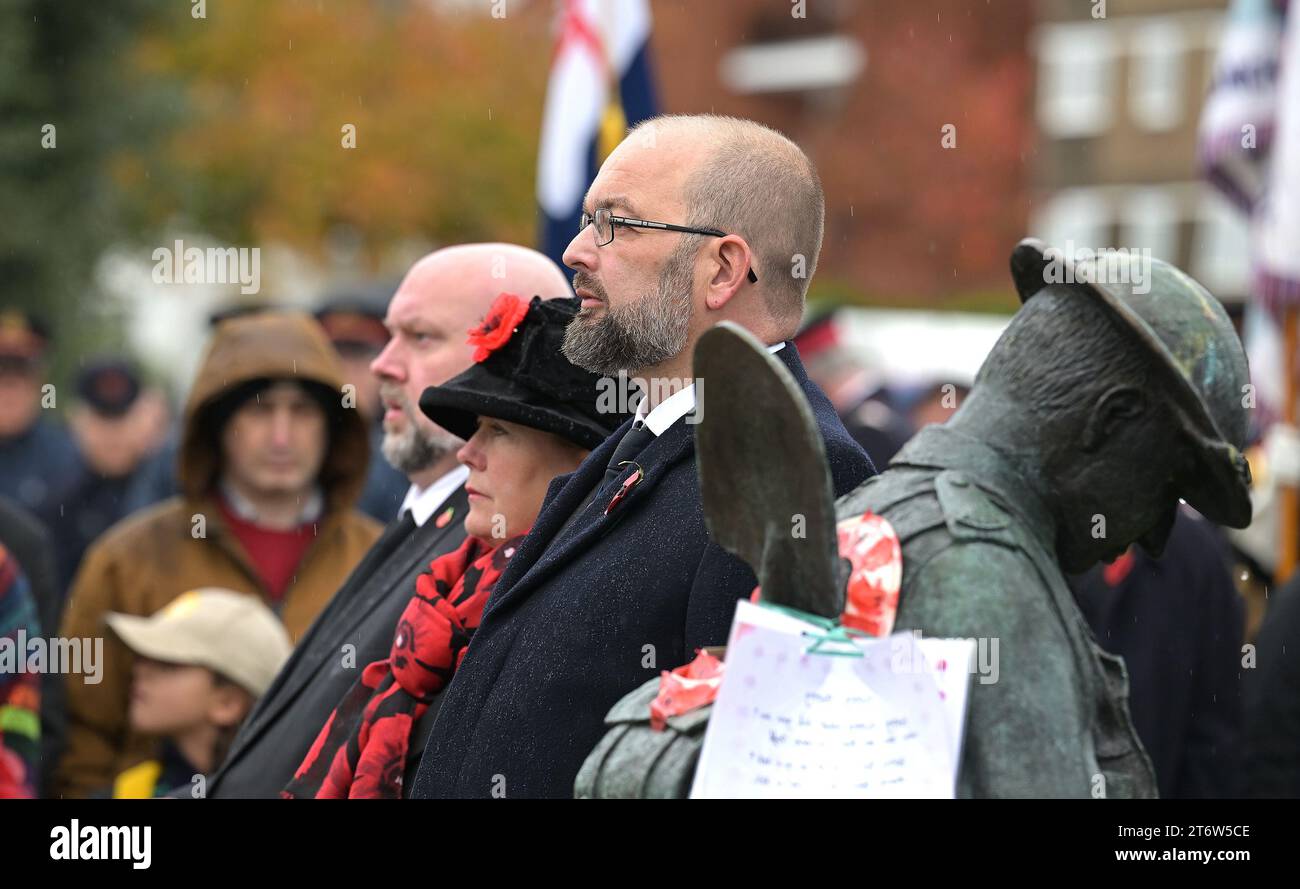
{"x": 690, "y": 221}
{"x": 441, "y": 297}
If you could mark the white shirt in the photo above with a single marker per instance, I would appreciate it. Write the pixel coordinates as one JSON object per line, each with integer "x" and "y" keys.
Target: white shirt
{"x": 424, "y": 503}
{"x": 675, "y": 406}
{"x": 312, "y": 507}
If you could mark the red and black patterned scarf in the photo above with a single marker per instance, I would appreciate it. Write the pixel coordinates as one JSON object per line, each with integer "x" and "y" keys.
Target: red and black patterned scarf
{"x": 361, "y": 751}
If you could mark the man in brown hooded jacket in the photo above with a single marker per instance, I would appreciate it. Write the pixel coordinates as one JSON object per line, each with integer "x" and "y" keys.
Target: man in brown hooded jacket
{"x": 272, "y": 459}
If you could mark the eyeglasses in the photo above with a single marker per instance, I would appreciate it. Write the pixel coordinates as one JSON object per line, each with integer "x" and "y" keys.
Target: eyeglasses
{"x": 604, "y": 223}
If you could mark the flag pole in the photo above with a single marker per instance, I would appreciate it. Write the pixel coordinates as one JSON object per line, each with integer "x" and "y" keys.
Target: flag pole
{"x": 1289, "y": 503}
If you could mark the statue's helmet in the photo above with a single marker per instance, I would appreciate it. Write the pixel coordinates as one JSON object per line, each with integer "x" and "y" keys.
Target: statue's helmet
{"x": 1195, "y": 345}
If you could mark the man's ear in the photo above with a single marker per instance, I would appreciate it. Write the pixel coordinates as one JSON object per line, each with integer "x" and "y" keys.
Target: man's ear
{"x": 1115, "y": 408}
{"x": 732, "y": 257}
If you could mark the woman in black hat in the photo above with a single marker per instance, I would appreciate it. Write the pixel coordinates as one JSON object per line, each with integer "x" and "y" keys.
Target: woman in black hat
{"x": 527, "y": 415}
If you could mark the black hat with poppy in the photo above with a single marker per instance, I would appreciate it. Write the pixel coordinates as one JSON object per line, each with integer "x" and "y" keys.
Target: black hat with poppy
{"x": 520, "y": 375}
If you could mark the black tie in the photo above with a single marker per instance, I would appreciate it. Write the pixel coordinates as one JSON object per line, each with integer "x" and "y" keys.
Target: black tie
{"x": 631, "y": 444}
{"x": 398, "y": 529}
{"x": 629, "y": 447}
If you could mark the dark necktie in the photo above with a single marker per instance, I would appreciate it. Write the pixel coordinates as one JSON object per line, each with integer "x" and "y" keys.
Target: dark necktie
{"x": 629, "y": 447}
{"x": 398, "y": 530}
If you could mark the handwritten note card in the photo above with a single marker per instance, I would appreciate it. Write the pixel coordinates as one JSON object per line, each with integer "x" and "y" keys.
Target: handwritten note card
{"x": 789, "y": 723}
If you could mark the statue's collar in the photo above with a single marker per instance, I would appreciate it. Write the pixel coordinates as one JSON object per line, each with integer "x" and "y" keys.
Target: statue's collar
{"x": 941, "y": 447}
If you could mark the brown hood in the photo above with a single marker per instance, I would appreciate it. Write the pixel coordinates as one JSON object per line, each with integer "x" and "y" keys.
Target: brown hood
{"x": 271, "y": 345}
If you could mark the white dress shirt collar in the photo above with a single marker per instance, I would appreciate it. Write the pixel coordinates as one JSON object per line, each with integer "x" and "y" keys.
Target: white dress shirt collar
{"x": 423, "y": 503}
{"x": 313, "y": 506}
{"x": 675, "y": 406}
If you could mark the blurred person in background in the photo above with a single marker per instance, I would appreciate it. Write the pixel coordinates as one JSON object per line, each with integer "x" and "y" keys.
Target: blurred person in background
{"x": 157, "y": 479}
{"x": 1272, "y": 700}
{"x": 20, "y": 692}
{"x": 200, "y": 664}
{"x": 35, "y": 453}
{"x": 1272, "y": 685}
{"x": 933, "y": 403}
{"x": 856, "y": 396}
{"x": 1271, "y": 666}
{"x": 109, "y": 424}
{"x": 271, "y": 463}
{"x": 1178, "y": 622}
{"x": 28, "y": 541}
{"x": 355, "y": 325}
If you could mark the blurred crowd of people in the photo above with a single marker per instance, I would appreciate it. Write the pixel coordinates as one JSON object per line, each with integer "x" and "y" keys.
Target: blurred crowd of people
{"x": 71, "y": 471}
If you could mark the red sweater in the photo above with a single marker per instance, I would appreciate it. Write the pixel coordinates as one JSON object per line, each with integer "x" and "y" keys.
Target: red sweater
{"x": 275, "y": 554}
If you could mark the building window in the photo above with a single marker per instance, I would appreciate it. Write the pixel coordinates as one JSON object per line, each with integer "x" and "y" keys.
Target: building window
{"x": 1156, "y": 74}
{"x": 827, "y": 61}
{"x": 1076, "y": 82}
{"x": 1149, "y": 221}
{"x": 1074, "y": 219}
{"x": 1221, "y": 248}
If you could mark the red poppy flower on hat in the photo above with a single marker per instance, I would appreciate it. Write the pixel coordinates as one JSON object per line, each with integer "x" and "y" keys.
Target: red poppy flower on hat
{"x": 498, "y": 325}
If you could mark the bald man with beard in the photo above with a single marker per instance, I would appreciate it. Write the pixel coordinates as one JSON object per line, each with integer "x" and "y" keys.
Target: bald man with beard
{"x": 692, "y": 220}
{"x": 442, "y": 296}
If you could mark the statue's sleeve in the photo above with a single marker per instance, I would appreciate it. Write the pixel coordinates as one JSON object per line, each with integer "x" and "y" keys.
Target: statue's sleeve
{"x": 1027, "y": 734}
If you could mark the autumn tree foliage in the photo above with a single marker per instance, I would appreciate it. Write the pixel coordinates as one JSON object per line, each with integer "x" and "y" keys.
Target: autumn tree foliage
{"x": 385, "y": 121}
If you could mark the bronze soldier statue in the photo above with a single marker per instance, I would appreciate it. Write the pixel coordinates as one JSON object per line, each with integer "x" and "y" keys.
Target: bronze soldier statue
{"x": 1101, "y": 406}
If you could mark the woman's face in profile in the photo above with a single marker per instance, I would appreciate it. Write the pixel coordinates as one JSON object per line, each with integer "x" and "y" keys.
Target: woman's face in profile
{"x": 510, "y": 467}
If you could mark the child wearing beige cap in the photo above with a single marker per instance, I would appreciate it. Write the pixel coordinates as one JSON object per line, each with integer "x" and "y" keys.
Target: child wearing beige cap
{"x": 201, "y": 663}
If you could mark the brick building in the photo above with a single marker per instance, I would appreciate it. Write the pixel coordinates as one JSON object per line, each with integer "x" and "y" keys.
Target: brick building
{"x": 1117, "y": 105}
{"x": 867, "y": 88}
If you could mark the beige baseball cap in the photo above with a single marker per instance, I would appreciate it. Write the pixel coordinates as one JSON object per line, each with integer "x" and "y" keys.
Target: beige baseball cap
{"x": 231, "y": 633}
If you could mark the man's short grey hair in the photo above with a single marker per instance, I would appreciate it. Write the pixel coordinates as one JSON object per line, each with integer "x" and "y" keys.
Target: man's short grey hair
{"x": 757, "y": 183}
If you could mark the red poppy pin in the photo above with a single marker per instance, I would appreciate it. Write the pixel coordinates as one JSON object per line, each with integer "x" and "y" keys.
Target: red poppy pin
{"x": 626, "y": 488}
{"x": 497, "y": 326}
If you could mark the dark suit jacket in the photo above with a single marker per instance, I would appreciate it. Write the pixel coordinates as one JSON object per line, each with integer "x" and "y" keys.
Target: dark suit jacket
{"x": 1272, "y": 700}
{"x": 1178, "y": 622}
{"x": 577, "y": 622}
{"x": 364, "y": 612}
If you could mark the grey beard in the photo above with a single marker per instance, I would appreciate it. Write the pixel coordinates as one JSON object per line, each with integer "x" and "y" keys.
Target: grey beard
{"x": 642, "y": 334}
{"x": 417, "y": 449}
